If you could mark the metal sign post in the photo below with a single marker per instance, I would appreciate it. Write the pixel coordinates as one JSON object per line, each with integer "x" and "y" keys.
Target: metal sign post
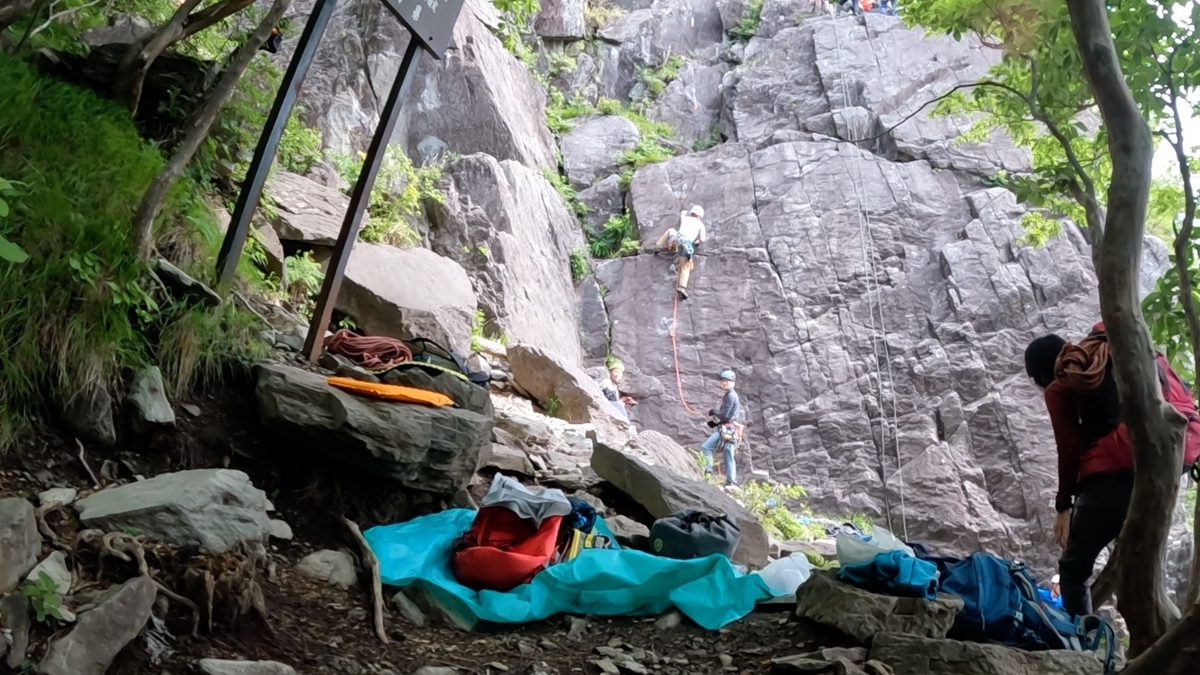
{"x": 430, "y": 24}
{"x": 314, "y": 343}
{"x": 268, "y": 143}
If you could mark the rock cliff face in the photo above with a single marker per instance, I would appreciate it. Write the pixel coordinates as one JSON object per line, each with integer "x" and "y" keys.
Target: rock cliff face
{"x": 875, "y": 298}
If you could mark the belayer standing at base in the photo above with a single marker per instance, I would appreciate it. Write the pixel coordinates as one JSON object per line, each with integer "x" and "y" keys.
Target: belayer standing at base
{"x": 724, "y": 422}
{"x": 684, "y": 242}
{"x": 1095, "y": 456}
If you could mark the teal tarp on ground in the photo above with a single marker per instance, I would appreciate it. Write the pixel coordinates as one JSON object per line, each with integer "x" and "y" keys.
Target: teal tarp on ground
{"x": 599, "y": 582}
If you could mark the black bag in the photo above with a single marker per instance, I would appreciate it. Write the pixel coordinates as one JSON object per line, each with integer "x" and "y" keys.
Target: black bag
{"x": 429, "y": 354}
{"x": 694, "y": 534}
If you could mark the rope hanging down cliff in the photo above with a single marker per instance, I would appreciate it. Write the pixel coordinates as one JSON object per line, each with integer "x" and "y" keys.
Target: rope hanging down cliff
{"x": 867, "y": 240}
{"x": 675, "y": 354}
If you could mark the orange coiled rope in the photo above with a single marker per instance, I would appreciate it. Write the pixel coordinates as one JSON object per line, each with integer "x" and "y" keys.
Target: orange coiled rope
{"x": 369, "y": 351}
{"x": 675, "y": 353}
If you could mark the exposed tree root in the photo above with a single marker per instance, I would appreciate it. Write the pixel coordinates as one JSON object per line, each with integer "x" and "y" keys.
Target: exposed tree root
{"x": 372, "y": 565}
{"x": 44, "y": 527}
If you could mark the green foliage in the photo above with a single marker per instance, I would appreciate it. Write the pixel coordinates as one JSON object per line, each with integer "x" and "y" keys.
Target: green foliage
{"x": 657, "y": 79}
{"x": 553, "y": 406}
{"x": 617, "y": 237}
{"x": 770, "y": 504}
{"x": 647, "y": 151}
{"x": 597, "y": 14}
{"x": 400, "y": 192}
{"x": 479, "y": 331}
{"x": 300, "y": 145}
{"x": 1165, "y": 318}
{"x": 304, "y": 277}
{"x": 579, "y": 265}
{"x": 43, "y": 597}
{"x": 711, "y": 141}
{"x": 561, "y": 63}
{"x": 560, "y": 112}
{"x": 85, "y": 307}
{"x": 564, "y": 190}
{"x": 9, "y": 251}
{"x": 747, "y": 27}
{"x": 648, "y": 128}
{"x": 516, "y": 16}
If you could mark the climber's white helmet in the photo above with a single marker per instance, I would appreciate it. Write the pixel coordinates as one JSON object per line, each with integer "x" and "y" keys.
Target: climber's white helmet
{"x": 697, "y": 211}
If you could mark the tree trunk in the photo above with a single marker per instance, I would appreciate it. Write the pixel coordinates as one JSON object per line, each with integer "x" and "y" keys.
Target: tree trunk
{"x": 1193, "y": 595}
{"x": 127, "y": 89}
{"x": 147, "y": 212}
{"x": 13, "y": 10}
{"x": 183, "y": 24}
{"x": 1170, "y": 655}
{"x": 1155, "y": 428}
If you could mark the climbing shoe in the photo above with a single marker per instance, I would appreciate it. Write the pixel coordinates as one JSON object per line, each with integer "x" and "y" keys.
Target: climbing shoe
{"x": 682, "y": 293}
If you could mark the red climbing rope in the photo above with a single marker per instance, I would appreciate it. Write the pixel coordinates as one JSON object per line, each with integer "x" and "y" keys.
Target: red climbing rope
{"x": 675, "y": 353}
{"x": 370, "y": 352}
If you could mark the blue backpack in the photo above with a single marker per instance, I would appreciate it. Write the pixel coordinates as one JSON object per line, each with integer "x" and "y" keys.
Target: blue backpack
{"x": 1001, "y": 604}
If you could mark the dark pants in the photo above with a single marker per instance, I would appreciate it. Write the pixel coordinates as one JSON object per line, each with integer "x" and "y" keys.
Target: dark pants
{"x": 1100, "y": 511}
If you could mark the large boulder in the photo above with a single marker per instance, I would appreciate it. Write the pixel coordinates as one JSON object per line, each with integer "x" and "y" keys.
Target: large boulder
{"x": 478, "y": 98}
{"x": 911, "y": 655}
{"x": 663, "y": 492}
{"x": 20, "y": 543}
{"x": 212, "y": 508}
{"x": 565, "y": 390}
{"x": 429, "y": 449}
{"x": 862, "y": 614}
{"x": 657, "y": 449}
{"x": 304, "y": 210}
{"x": 512, "y": 233}
{"x": 407, "y": 293}
{"x": 100, "y": 633}
{"x": 590, "y": 151}
{"x": 561, "y": 20}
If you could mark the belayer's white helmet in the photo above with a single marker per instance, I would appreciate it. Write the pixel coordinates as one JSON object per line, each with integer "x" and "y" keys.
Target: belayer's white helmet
{"x": 728, "y": 375}
{"x": 697, "y": 211}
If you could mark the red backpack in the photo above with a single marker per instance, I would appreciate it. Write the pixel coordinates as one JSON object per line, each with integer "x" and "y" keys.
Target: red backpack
{"x": 1179, "y": 395}
{"x": 502, "y": 550}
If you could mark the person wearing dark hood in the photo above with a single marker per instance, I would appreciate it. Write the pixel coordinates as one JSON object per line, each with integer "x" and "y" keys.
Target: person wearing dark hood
{"x": 1095, "y": 456}
{"x": 274, "y": 41}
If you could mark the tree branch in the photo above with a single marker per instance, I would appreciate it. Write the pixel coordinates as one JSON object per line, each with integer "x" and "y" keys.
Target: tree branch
{"x": 152, "y": 201}
{"x": 1163, "y": 657}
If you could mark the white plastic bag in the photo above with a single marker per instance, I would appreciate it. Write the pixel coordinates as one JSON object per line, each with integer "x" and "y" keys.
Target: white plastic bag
{"x": 854, "y": 551}
{"x": 785, "y": 575}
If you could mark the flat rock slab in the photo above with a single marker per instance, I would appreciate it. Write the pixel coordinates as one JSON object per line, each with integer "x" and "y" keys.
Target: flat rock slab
{"x": 861, "y": 614}
{"x": 20, "y": 543}
{"x": 214, "y": 508}
{"x": 306, "y": 210}
{"x": 910, "y": 655}
{"x": 223, "y": 667}
{"x": 664, "y": 492}
{"x": 102, "y": 632}
{"x": 429, "y": 449}
{"x": 590, "y": 151}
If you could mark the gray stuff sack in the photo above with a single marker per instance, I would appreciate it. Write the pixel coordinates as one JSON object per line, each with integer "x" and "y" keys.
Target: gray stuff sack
{"x": 694, "y": 534}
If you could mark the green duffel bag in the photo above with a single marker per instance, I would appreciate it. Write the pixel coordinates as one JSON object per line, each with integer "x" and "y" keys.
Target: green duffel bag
{"x": 694, "y": 534}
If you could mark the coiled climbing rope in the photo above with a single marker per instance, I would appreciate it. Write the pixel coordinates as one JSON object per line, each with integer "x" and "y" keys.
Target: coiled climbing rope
{"x": 867, "y": 241}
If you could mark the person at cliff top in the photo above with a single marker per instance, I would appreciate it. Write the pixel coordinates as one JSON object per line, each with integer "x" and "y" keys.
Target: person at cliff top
{"x": 723, "y": 419}
{"x": 684, "y": 241}
{"x": 609, "y": 385}
{"x": 1095, "y": 457}
{"x": 852, "y": 4}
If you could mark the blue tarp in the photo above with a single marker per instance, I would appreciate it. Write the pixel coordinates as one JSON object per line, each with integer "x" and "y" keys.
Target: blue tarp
{"x": 600, "y": 582}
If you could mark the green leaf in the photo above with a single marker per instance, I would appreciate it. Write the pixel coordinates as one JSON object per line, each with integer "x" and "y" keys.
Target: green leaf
{"x": 11, "y": 252}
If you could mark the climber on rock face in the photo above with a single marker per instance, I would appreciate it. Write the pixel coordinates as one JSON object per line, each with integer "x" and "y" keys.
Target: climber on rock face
{"x": 609, "y": 385}
{"x": 723, "y": 420}
{"x": 1095, "y": 457}
{"x": 684, "y": 242}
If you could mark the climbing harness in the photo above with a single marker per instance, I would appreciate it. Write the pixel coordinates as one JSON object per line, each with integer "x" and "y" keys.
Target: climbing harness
{"x": 867, "y": 241}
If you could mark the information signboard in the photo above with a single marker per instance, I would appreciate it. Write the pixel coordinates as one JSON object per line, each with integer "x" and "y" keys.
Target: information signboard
{"x": 431, "y": 22}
